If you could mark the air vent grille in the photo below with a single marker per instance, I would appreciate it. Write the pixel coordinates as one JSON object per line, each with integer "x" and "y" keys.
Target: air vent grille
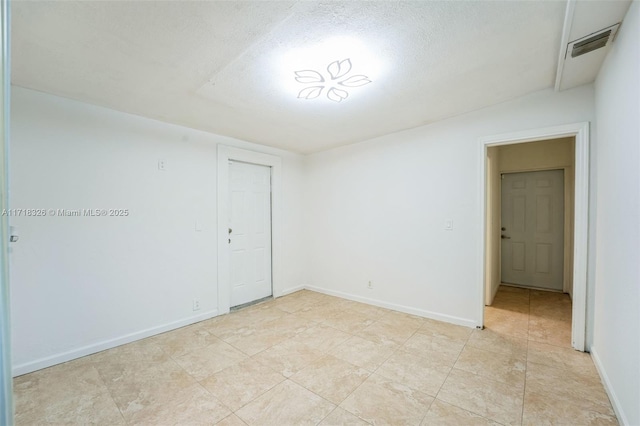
{"x": 590, "y": 44}
{"x": 593, "y": 41}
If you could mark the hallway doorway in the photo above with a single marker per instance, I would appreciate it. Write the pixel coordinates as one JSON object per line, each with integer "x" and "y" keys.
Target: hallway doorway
{"x": 563, "y": 148}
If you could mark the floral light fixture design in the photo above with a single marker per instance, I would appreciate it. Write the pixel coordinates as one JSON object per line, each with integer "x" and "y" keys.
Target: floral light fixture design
{"x": 337, "y": 76}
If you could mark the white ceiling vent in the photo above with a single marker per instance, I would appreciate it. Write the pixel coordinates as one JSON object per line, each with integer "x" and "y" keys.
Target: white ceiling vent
{"x": 592, "y": 42}
{"x": 590, "y": 28}
{"x": 584, "y": 56}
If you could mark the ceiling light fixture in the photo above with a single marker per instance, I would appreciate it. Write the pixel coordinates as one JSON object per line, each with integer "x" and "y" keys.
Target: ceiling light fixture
{"x": 336, "y": 83}
{"x": 328, "y": 69}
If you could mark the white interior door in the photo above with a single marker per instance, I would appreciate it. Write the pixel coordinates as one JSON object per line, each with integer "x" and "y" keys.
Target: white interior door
{"x": 533, "y": 229}
{"x": 249, "y": 232}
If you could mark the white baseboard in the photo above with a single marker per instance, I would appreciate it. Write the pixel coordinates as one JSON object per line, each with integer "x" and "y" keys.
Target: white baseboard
{"x": 615, "y": 402}
{"x": 41, "y": 363}
{"x": 290, "y": 290}
{"x": 406, "y": 309}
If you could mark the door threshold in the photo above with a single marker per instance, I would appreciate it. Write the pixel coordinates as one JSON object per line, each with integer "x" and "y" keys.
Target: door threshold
{"x": 253, "y": 302}
{"x": 531, "y": 287}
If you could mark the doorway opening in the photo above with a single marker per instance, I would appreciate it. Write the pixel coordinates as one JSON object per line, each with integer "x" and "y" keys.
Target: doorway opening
{"x": 547, "y": 274}
{"x": 530, "y": 216}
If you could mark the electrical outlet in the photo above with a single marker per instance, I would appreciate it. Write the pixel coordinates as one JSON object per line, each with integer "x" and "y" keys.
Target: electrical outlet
{"x": 370, "y": 285}
{"x": 162, "y": 165}
{"x": 196, "y": 304}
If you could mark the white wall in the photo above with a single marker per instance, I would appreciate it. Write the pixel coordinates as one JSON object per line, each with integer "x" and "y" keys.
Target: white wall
{"x": 81, "y": 284}
{"x": 378, "y": 208}
{"x": 616, "y": 346}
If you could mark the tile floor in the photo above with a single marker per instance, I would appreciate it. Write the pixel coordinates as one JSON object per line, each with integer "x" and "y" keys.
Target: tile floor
{"x": 308, "y": 358}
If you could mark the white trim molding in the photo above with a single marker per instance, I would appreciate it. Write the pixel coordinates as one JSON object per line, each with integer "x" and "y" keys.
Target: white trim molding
{"x": 581, "y": 215}
{"x": 226, "y": 154}
{"x": 613, "y": 397}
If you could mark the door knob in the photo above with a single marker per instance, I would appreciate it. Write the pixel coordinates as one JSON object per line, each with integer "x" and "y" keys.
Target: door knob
{"x": 504, "y": 237}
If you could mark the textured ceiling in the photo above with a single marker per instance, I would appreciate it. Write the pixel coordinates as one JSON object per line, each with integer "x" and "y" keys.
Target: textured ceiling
{"x": 228, "y": 67}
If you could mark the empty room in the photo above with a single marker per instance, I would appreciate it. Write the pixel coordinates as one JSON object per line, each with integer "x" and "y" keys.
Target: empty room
{"x": 320, "y": 213}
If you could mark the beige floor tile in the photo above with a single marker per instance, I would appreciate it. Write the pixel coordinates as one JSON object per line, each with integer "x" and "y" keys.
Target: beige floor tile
{"x": 568, "y": 359}
{"x": 510, "y": 305}
{"x": 241, "y": 383}
{"x": 542, "y": 408}
{"x": 551, "y": 305}
{"x": 136, "y": 374}
{"x": 507, "y": 322}
{"x": 340, "y": 417}
{"x": 442, "y": 329}
{"x": 441, "y": 349}
{"x": 262, "y": 312}
{"x": 555, "y": 310}
{"x": 373, "y": 312}
{"x": 145, "y": 351}
{"x": 64, "y": 394}
{"x": 233, "y": 324}
{"x": 322, "y": 337}
{"x": 502, "y": 367}
{"x": 288, "y": 357}
{"x": 387, "y": 332}
{"x": 184, "y": 340}
{"x": 204, "y": 362}
{"x": 137, "y": 387}
{"x": 510, "y": 291}
{"x": 231, "y": 420}
{"x": 401, "y": 319}
{"x": 512, "y": 299}
{"x": 309, "y": 337}
{"x": 492, "y": 399}
{"x": 551, "y": 331}
{"x": 444, "y": 414}
{"x": 417, "y": 372}
{"x": 492, "y": 341}
{"x": 295, "y": 304}
{"x": 543, "y": 296}
{"x": 349, "y": 321}
{"x": 331, "y": 378}
{"x": 321, "y": 312}
{"x": 382, "y": 401}
{"x": 291, "y": 323}
{"x": 193, "y": 405}
{"x": 286, "y": 404}
{"x": 364, "y": 353}
{"x": 258, "y": 339}
{"x": 559, "y": 382}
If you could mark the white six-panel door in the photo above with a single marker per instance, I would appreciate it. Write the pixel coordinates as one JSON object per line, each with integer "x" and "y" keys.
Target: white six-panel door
{"x": 533, "y": 229}
{"x": 249, "y": 232}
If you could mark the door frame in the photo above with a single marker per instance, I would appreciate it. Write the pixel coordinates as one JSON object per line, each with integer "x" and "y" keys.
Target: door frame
{"x": 580, "y": 131}
{"x": 6, "y": 376}
{"x": 226, "y": 154}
